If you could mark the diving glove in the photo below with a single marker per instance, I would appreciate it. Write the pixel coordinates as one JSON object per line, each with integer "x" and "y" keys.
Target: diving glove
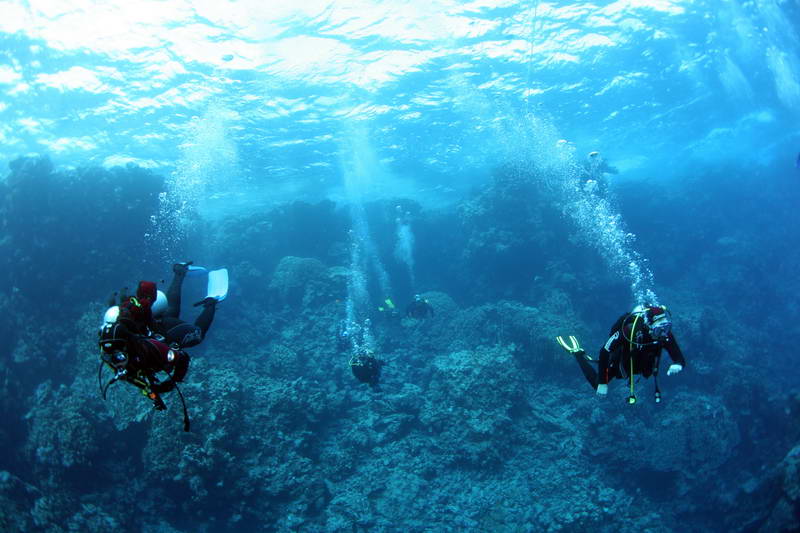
{"x": 602, "y": 389}
{"x": 674, "y": 369}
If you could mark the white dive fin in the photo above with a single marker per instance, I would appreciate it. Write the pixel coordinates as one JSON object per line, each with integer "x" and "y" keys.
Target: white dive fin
{"x": 218, "y": 284}
{"x": 194, "y": 271}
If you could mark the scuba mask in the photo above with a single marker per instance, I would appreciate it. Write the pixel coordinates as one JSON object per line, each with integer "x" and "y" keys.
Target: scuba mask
{"x": 655, "y": 320}
{"x": 661, "y": 328}
{"x": 658, "y": 322}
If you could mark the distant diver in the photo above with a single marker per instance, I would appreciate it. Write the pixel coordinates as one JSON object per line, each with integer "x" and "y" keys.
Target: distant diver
{"x": 633, "y": 347}
{"x": 593, "y": 174}
{"x": 420, "y": 308}
{"x": 365, "y": 367}
{"x": 143, "y": 335}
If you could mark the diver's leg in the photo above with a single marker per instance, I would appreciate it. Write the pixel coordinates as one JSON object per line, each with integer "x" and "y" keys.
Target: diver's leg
{"x": 181, "y": 334}
{"x": 589, "y": 371}
{"x": 174, "y": 292}
{"x": 203, "y": 321}
{"x": 186, "y": 335}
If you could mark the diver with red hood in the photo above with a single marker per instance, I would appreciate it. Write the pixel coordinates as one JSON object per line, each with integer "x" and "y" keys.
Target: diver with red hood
{"x": 144, "y": 335}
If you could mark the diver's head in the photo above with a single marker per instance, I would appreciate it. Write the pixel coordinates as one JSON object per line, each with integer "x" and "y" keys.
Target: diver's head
{"x": 146, "y": 289}
{"x": 658, "y": 321}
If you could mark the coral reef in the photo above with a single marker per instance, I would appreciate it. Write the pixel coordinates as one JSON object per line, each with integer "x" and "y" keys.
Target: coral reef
{"x": 480, "y": 423}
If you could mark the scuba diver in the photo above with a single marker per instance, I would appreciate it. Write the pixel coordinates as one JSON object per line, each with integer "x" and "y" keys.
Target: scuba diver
{"x": 365, "y": 366}
{"x": 420, "y": 308}
{"x": 143, "y": 335}
{"x": 593, "y": 174}
{"x": 633, "y": 347}
{"x": 367, "y": 369}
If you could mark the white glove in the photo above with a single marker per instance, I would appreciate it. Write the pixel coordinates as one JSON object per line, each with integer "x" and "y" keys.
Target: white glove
{"x": 602, "y": 389}
{"x": 674, "y": 369}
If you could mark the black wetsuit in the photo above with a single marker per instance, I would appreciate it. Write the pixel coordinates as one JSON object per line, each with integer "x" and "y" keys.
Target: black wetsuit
{"x": 621, "y": 347}
{"x": 177, "y": 332}
{"x": 367, "y": 369}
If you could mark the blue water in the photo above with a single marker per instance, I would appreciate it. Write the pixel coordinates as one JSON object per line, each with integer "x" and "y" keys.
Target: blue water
{"x": 333, "y": 155}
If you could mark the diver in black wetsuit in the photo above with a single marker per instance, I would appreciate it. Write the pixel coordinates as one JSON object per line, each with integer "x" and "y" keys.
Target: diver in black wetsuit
{"x": 365, "y": 366}
{"x": 634, "y": 347}
{"x": 367, "y": 369}
{"x": 420, "y": 308}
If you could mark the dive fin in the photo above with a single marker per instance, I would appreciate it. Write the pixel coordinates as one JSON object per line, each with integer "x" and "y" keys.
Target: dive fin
{"x": 194, "y": 271}
{"x": 218, "y": 284}
{"x": 572, "y": 345}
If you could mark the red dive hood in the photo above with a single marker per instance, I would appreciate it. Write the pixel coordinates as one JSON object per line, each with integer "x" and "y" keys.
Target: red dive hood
{"x": 147, "y": 289}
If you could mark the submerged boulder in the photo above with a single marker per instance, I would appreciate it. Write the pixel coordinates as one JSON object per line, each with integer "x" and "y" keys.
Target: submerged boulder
{"x": 469, "y": 403}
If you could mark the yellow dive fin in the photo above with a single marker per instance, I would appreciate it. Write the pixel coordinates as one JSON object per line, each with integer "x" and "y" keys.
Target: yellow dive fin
{"x": 572, "y": 346}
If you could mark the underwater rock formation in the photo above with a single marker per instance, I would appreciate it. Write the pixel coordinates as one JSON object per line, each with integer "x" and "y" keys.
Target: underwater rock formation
{"x": 480, "y": 424}
{"x": 98, "y": 217}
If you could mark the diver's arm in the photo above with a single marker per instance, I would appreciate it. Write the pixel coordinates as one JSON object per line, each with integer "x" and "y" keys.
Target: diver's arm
{"x": 602, "y": 369}
{"x": 176, "y": 376}
{"x": 674, "y": 351}
{"x": 611, "y": 345}
{"x": 181, "y": 366}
